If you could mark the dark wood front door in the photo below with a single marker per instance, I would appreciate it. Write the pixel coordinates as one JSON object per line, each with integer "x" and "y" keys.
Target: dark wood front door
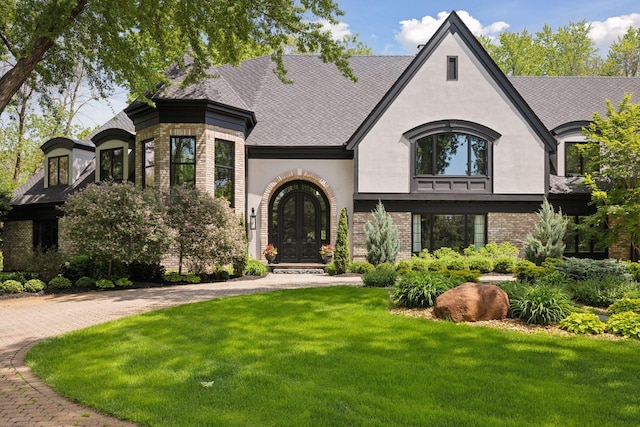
{"x": 299, "y": 228}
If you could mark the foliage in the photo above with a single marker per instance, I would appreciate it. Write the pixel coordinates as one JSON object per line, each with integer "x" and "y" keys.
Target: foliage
{"x": 342, "y": 255}
{"x": 85, "y": 282}
{"x": 255, "y": 268}
{"x": 34, "y": 285}
{"x": 481, "y": 263}
{"x": 592, "y": 269}
{"x": 83, "y": 265}
{"x": 59, "y": 282}
{"x": 612, "y": 150}
{"x": 12, "y": 287}
{"x": 330, "y": 268}
{"x": 413, "y": 264}
{"x": 514, "y": 289}
{"x": 548, "y": 239}
{"x": 326, "y": 249}
{"x": 583, "y": 323}
{"x": 603, "y": 291}
{"x": 360, "y": 267}
{"x": 623, "y": 58}
{"x": 381, "y": 237}
{"x": 123, "y": 282}
{"x": 175, "y": 277}
{"x": 457, "y": 263}
{"x": 626, "y": 324}
{"x": 45, "y": 265}
{"x": 139, "y": 271}
{"x": 115, "y": 222}
{"x": 445, "y": 253}
{"x": 420, "y": 289}
{"x": 240, "y": 261}
{"x": 634, "y": 269}
{"x": 105, "y": 284}
{"x": 270, "y": 250}
{"x": 504, "y": 264}
{"x": 529, "y": 272}
{"x": 462, "y": 275}
{"x": 541, "y": 305}
{"x": 20, "y": 276}
{"x": 381, "y": 277}
{"x": 625, "y": 304}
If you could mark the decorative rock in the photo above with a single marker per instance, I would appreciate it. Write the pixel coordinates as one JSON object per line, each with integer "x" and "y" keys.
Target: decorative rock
{"x": 471, "y": 302}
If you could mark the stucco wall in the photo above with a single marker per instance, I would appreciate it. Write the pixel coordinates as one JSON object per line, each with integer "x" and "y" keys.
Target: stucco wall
{"x": 384, "y": 160}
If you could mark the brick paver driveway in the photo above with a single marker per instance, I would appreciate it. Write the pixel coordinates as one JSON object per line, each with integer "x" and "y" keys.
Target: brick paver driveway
{"x": 26, "y": 402}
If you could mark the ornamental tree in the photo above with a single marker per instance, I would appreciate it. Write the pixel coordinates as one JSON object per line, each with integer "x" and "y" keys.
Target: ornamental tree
{"x": 342, "y": 256}
{"x": 381, "y": 237}
{"x": 547, "y": 241}
{"x": 115, "y": 222}
{"x": 612, "y": 152}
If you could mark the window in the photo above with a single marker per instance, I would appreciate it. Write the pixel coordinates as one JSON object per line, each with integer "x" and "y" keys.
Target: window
{"x": 574, "y": 161}
{"x": 452, "y": 68}
{"x": 148, "y": 163}
{"x": 224, "y": 169}
{"x": 453, "y": 154}
{"x": 183, "y": 160}
{"x": 45, "y": 234}
{"x": 58, "y": 170}
{"x": 112, "y": 164}
{"x": 579, "y": 244}
{"x": 452, "y": 231}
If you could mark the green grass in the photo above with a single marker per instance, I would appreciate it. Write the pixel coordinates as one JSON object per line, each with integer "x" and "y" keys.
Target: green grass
{"x": 336, "y": 357}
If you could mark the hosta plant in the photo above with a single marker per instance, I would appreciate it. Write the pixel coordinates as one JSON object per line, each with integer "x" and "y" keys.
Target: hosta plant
{"x": 12, "y": 286}
{"x": 583, "y": 323}
{"x": 625, "y": 304}
{"x": 626, "y": 324}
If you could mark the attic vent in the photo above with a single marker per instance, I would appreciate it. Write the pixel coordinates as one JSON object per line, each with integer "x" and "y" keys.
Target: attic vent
{"x": 452, "y": 68}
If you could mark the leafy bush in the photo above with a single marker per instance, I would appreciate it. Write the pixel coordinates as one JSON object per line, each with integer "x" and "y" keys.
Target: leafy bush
{"x": 625, "y": 304}
{"x": 626, "y": 324}
{"x": 123, "y": 282}
{"x": 583, "y": 323}
{"x": 383, "y": 276}
{"x": 20, "y": 276}
{"x": 175, "y": 277}
{"x": 461, "y": 275}
{"x": 105, "y": 284}
{"x": 604, "y": 291}
{"x": 445, "y": 252}
{"x": 34, "y": 285}
{"x": 360, "y": 267}
{"x": 504, "y": 265}
{"x": 12, "y": 286}
{"x": 481, "y": 263}
{"x": 46, "y": 265}
{"x": 514, "y": 289}
{"x": 255, "y": 268}
{"x": 580, "y": 269}
{"x": 457, "y": 263}
{"x": 420, "y": 289}
{"x": 222, "y": 274}
{"x": 85, "y": 282}
{"x": 330, "y": 268}
{"x": 413, "y": 264}
{"x": 85, "y": 266}
{"x": 59, "y": 282}
{"x": 528, "y": 272}
{"x": 140, "y": 271}
{"x": 438, "y": 265}
{"x": 541, "y": 305}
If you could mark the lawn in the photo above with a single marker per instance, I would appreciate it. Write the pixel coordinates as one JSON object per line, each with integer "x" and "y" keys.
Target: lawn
{"x": 336, "y": 357}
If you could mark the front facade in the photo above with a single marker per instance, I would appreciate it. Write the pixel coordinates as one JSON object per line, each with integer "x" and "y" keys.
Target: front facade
{"x": 458, "y": 153}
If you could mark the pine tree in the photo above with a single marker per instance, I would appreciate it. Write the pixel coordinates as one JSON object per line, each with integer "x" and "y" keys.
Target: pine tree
{"x": 381, "y": 237}
{"x": 548, "y": 239}
{"x": 342, "y": 256}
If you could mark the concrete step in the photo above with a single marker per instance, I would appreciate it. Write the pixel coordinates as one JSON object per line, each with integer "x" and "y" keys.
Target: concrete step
{"x": 297, "y": 268}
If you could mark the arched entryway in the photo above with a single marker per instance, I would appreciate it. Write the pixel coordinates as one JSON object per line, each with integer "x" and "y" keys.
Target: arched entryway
{"x": 299, "y": 221}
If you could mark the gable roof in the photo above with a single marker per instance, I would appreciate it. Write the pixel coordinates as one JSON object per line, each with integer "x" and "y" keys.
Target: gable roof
{"x": 454, "y": 25}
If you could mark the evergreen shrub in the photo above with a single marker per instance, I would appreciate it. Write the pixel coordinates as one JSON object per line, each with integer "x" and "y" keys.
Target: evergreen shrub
{"x": 12, "y": 286}
{"x": 34, "y": 285}
{"x": 59, "y": 282}
{"x": 360, "y": 267}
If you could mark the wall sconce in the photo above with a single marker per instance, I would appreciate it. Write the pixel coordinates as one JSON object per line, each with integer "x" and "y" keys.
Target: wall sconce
{"x": 252, "y": 219}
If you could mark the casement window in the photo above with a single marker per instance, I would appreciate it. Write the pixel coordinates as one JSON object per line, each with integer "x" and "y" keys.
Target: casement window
{"x": 578, "y": 244}
{"x": 224, "y": 169}
{"x": 58, "y": 170}
{"x": 457, "y": 232}
{"x": 452, "y": 68}
{"x": 574, "y": 161}
{"x": 45, "y": 235}
{"x": 452, "y": 154}
{"x": 112, "y": 164}
{"x": 183, "y": 160}
{"x": 148, "y": 163}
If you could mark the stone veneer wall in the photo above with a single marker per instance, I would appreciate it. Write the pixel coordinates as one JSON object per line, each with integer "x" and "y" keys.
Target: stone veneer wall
{"x": 402, "y": 220}
{"x": 510, "y": 227}
{"x": 17, "y": 253}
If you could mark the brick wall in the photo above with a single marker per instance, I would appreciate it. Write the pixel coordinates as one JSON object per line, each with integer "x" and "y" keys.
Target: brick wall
{"x": 510, "y": 227}
{"x": 402, "y": 220}
{"x": 18, "y": 244}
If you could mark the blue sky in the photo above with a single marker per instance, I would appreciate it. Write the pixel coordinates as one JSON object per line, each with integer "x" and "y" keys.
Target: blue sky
{"x": 396, "y": 27}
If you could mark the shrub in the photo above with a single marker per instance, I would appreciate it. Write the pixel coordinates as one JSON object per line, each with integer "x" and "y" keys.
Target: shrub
{"x": 46, "y": 265}
{"x": 541, "y": 305}
{"x": 625, "y": 304}
{"x": 413, "y": 264}
{"x": 634, "y": 269}
{"x": 330, "y": 268}
{"x": 34, "y": 285}
{"x": 105, "y": 284}
{"x": 580, "y": 269}
{"x": 604, "y": 291}
{"x": 20, "y": 276}
{"x": 504, "y": 249}
{"x": 626, "y": 324}
{"x": 444, "y": 252}
{"x": 12, "y": 286}
{"x": 425, "y": 254}
{"x": 360, "y": 267}
{"x": 222, "y": 274}
{"x": 145, "y": 271}
{"x": 420, "y": 289}
{"x": 529, "y": 272}
{"x": 583, "y": 323}
{"x": 342, "y": 254}
{"x": 84, "y": 265}
{"x": 457, "y": 263}
{"x": 438, "y": 265}
{"x": 85, "y": 282}
{"x": 255, "y": 268}
{"x": 381, "y": 237}
{"x": 514, "y": 289}
{"x": 504, "y": 264}
{"x": 59, "y": 282}
{"x": 548, "y": 237}
{"x": 461, "y": 275}
{"x": 123, "y": 282}
{"x": 481, "y": 263}
{"x": 175, "y": 277}
{"x": 383, "y": 276}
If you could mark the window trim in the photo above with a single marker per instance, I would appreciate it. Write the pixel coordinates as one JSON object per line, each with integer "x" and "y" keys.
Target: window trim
{"x": 145, "y": 167}
{"x": 57, "y": 182}
{"x": 231, "y": 167}
{"x": 583, "y": 160}
{"x": 112, "y": 154}
{"x": 172, "y": 164}
{"x": 469, "y": 235}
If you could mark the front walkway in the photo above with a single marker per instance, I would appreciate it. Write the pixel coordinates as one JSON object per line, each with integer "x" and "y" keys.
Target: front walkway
{"x": 25, "y": 401}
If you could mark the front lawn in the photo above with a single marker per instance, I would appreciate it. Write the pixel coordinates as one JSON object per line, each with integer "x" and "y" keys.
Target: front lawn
{"x": 336, "y": 357}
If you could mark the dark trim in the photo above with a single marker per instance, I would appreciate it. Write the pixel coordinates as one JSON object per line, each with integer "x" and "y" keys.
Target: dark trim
{"x": 67, "y": 143}
{"x": 110, "y": 134}
{"x": 35, "y": 212}
{"x": 280, "y": 152}
{"x": 449, "y": 207}
{"x": 452, "y": 68}
{"x": 434, "y": 196}
{"x": 570, "y": 127}
{"x": 454, "y": 25}
{"x": 452, "y": 126}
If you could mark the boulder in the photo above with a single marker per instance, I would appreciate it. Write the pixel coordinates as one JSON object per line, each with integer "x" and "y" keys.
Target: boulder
{"x": 471, "y": 302}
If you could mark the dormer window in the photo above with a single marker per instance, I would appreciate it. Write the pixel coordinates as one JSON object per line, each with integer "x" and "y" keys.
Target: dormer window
{"x": 58, "y": 170}
{"x": 112, "y": 164}
{"x": 574, "y": 161}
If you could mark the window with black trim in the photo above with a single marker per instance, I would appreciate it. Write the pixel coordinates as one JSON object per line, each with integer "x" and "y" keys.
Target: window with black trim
{"x": 457, "y": 232}
{"x": 58, "y": 170}
{"x": 183, "y": 160}
{"x": 148, "y": 163}
{"x": 574, "y": 161}
{"x": 45, "y": 234}
{"x": 112, "y": 164}
{"x": 452, "y": 154}
{"x": 452, "y": 68}
{"x": 579, "y": 244}
{"x": 224, "y": 169}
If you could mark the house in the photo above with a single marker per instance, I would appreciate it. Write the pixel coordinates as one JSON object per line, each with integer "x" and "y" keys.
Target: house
{"x": 458, "y": 153}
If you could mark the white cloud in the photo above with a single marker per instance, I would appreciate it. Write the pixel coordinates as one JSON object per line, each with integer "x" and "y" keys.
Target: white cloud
{"x": 606, "y": 32}
{"x": 338, "y": 31}
{"x": 414, "y": 32}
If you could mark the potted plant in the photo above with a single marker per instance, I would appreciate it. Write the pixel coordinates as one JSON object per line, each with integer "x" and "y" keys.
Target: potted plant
{"x": 270, "y": 253}
{"x": 326, "y": 252}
